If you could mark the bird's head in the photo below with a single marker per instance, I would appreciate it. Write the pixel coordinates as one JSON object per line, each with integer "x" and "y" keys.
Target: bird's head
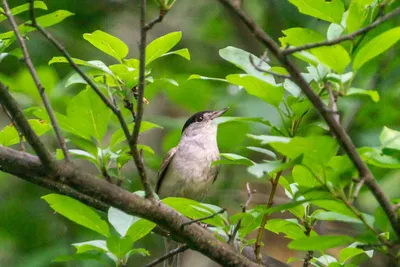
{"x": 201, "y": 122}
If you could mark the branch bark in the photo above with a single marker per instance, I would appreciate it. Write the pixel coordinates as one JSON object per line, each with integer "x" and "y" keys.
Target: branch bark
{"x": 336, "y": 128}
{"x": 42, "y": 93}
{"x": 343, "y": 38}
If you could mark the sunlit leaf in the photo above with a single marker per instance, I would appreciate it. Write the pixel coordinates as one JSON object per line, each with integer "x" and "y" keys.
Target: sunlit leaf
{"x": 139, "y": 229}
{"x": 119, "y": 246}
{"x": 161, "y": 45}
{"x": 303, "y": 176}
{"x": 357, "y": 91}
{"x": 25, "y": 7}
{"x": 184, "y": 52}
{"x": 290, "y": 227}
{"x": 196, "y": 76}
{"x": 266, "y": 139}
{"x": 232, "y": 159}
{"x": 374, "y": 156}
{"x": 357, "y": 14}
{"x": 77, "y": 212}
{"x": 108, "y": 44}
{"x": 319, "y": 243}
{"x": 390, "y": 138}
{"x": 348, "y": 253}
{"x": 376, "y": 46}
{"x": 9, "y": 135}
{"x": 97, "y": 245}
{"x": 326, "y": 10}
{"x": 92, "y": 63}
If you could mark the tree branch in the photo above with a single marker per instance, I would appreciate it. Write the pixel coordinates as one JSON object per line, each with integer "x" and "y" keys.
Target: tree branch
{"x": 139, "y": 111}
{"x": 158, "y": 19}
{"x": 101, "y": 194}
{"x": 267, "y": 71}
{"x": 343, "y": 38}
{"x": 42, "y": 93}
{"x": 336, "y": 128}
{"x": 170, "y": 254}
{"x": 23, "y": 125}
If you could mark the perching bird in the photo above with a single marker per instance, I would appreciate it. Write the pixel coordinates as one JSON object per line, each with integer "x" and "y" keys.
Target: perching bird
{"x": 186, "y": 170}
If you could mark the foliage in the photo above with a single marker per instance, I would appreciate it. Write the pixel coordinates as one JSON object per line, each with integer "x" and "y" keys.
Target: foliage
{"x": 318, "y": 176}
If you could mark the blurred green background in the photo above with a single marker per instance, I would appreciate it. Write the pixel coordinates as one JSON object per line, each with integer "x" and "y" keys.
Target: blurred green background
{"x": 32, "y": 235}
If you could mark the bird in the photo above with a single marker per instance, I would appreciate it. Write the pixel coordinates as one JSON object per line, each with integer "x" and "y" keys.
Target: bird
{"x": 186, "y": 169}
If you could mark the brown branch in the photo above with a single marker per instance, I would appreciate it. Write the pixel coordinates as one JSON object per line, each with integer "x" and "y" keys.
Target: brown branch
{"x": 32, "y": 70}
{"x": 23, "y": 125}
{"x": 257, "y": 67}
{"x": 333, "y": 100}
{"x": 250, "y": 193}
{"x": 158, "y": 19}
{"x": 203, "y": 218}
{"x": 29, "y": 168}
{"x": 336, "y": 128}
{"x": 20, "y": 135}
{"x": 343, "y": 38}
{"x": 257, "y": 246}
{"x": 310, "y": 253}
{"x": 170, "y": 254}
{"x": 137, "y": 157}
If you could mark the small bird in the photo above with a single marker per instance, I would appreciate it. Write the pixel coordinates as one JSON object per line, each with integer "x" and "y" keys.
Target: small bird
{"x": 186, "y": 170}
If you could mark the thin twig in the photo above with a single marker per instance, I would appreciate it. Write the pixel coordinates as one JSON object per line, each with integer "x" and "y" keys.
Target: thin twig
{"x": 339, "y": 131}
{"x": 310, "y": 253}
{"x": 158, "y": 19}
{"x": 23, "y": 125}
{"x": 257, "y": 67}
{"x": 203, "y": 218}
{"x": 168, "y": 255}
{"x": 358, "y": 188}
{"x": 20, "y": 135}
{"x": 257, "y": 246}
{"x": 343, "y": 38}
{"x": 32, "y": 70}
{"x": 333, "y": 100}
{"x": 250, "y": 193}
{"x": 138, "y": 158}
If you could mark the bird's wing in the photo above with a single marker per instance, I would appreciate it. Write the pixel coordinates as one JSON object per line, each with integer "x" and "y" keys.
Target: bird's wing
{"x": 164, "y": 165}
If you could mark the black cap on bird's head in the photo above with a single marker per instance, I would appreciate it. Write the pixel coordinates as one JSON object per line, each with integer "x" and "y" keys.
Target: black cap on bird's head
{"x": 204, "y": 116}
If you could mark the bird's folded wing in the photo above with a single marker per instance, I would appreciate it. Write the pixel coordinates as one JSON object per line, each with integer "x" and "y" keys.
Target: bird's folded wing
{"x": 164, "y": 165}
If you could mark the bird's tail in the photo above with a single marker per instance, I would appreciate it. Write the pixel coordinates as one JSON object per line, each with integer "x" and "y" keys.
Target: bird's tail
{"x": 172, "y": 261}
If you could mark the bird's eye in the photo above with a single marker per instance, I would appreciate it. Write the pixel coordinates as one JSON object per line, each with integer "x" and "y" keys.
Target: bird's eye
{"x": 199, "y": 119}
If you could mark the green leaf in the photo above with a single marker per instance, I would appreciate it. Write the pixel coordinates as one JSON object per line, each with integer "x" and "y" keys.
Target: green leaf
{"x": 108, "y": 44}
{"x": 77, "y": 212}
{"x": 90, "y": 115}
{"x": 259, "y": 170}
{"x": 335, "y": 57}
{"x": 263, "y": 151}
{"x": 304, "y": 177}
{"x": 348, "y": 253}
{"x": 326, "y": 10}
{"x": 96, "y": 245}
{"x": 241, "y": 59}
{"x": 232, "y": 159}
{"x": 374, "y": 156}
{"x": 334, "y": 216}
{"x": 357, "y": 91}
{"x": 291, "y": 87}
{"x": 199, "y": 77}
{"x": 92, "y": 63}
{"x": 120, "y": 220}
{"x": 161, "y": 45}
{"x": 119, "y": 135}
{"x": 376, "y": 46}
{"x": 119, "y": 246}
{"x": 139, "y": 229}
{"x": 184, "y": 52}
{"x": 9, "y": 135}
{"x": 266, "y": 139}
{"x": 74, "y": 257}
{"x": 289, "y": 227}
{"x": 263, "y": 90}
{"x": 357, "y": 14}
{"x": 389, "y": 138}
{"x": 196, "y": 210}
{"x": 44, "y": 21}
{"x": 319, "y": 243}
{"x": 25, "y": 7}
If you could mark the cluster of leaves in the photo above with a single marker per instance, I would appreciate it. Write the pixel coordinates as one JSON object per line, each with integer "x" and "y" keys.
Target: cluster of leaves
{"x": 319, "y": 180}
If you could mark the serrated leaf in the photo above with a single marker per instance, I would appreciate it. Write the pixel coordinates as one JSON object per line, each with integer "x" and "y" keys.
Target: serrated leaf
{"x": 77, "y": 212}
{"x": 326, "y": 10}
{"x": 119, "y": 135}
{"x": 108, "y": 44}
{"x": 25, "y": 7}
{"x": 263, "y": 90}
{"x": 357, "y": 91}
{"x": 319, "y": 243}
{"x": 376, "y": 46}
{"x": 161, "y": 45}
{"x": 241, "y": 59}
{"x": 184, "y": 52}
{"x": 232, "y": 159}
{"x": 9, "y": 135}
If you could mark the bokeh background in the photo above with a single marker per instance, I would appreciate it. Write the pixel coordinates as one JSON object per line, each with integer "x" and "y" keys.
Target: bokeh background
{"x": 31, "y": 235}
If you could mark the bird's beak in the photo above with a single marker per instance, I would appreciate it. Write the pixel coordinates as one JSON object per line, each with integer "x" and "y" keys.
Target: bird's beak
{"x": 218, "y": 113}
